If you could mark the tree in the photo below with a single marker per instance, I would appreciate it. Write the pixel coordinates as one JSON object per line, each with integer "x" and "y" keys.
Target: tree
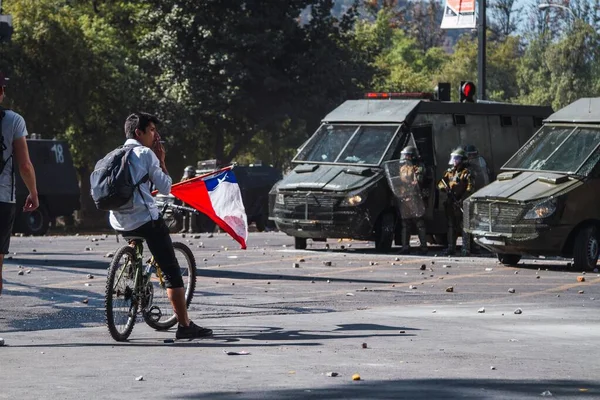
{"x": 505, "y": 18}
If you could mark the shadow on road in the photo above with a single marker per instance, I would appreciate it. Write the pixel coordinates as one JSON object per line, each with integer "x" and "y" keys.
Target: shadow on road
{"x": 231, "y": 336}
{"x": 61, "y": 262}
{"x": 470, "y": 389}
{"x": 225, "y": 274}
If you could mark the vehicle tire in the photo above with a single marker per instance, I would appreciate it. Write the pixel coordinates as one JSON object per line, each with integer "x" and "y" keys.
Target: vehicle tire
{"x": 159, "y": 313}
{"x": 119, "y": 298}
{"x": 384, "y": 234}
{"x": 300, "y": 243}
{"x": 441, "y": 240}
{"x": 509, "y": 259}
{"x": 586, "y": 249}
{"x": 36, "y": 222}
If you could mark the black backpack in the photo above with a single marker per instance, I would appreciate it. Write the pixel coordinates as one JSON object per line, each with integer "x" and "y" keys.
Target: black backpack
{"x": 111, "y": 183}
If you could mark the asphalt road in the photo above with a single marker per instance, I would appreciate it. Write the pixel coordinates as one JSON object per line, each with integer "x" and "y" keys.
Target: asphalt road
{"x": 300, "y": 323}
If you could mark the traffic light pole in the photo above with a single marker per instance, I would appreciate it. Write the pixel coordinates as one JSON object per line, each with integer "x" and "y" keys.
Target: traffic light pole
{"x": 481, "y": 51}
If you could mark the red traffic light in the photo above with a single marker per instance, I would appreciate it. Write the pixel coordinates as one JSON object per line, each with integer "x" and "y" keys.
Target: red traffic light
{"x": 467, "y": 92}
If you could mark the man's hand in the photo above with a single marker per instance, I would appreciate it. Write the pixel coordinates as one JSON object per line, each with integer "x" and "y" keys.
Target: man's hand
{"x": 31, "y": 203}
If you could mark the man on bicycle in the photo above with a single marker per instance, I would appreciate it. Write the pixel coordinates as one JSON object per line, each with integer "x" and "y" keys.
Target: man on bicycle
{"x": 143, "y": 219}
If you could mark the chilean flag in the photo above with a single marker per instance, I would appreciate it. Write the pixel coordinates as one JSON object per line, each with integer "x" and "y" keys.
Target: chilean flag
{"x": 218, "y": 196}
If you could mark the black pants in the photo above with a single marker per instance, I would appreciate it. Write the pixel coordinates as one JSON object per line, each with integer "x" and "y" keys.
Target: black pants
{"x": 158, "y": 239}
{"x": 7, "y": 219}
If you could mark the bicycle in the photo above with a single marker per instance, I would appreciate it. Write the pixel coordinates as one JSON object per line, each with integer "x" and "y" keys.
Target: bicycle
{"x": 133, "y": 288}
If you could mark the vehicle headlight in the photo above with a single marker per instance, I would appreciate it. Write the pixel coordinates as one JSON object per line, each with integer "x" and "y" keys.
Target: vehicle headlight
{"x": 279, "y": 199}
{"x": 543, "y": 209}
{"x": 354, "y": 199}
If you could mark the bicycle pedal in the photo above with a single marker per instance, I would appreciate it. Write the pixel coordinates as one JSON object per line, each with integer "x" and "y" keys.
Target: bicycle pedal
{"x": 154, "y": 314}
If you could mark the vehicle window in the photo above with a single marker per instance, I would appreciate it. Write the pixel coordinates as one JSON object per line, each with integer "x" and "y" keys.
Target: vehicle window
{"x": 554, "y": 148}
{"x": 327, "y": 143}
{"x": 368, "y": 145}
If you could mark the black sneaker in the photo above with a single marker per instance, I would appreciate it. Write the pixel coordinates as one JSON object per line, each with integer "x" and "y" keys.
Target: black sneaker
{"x": 192, "y": 331}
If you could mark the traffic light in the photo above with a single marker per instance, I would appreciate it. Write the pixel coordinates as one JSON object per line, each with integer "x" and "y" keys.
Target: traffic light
{"x": 442, "y": 92}
{"x": 467, "y": 92}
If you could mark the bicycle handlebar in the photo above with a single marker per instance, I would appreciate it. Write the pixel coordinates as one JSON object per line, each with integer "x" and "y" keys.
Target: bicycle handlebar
{"x": 179, "y": 208}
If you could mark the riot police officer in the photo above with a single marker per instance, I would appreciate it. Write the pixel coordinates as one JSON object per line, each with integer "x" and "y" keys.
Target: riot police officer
{"x": 480, "y": 171}
{"x": 412, "y": 206}
{"x": 457, "y": 182}
{"x": 189, "y": 218}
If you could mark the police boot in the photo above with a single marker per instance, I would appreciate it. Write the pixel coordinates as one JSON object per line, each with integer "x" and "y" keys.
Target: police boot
{"x": 451, "y": 243}
{"x": 405, "y": 238}
{"x": 422, "y": 237}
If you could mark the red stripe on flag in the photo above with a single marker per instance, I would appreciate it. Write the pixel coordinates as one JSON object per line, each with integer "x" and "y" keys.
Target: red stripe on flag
{"x": 194, "y": 193}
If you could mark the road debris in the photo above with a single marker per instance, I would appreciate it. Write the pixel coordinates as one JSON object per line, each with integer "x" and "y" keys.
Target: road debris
{"x": 412, "y": 287}
{"x": 423, "y": 267}
{"x": 327, "y": 263}
{"x": 364, "y": 345}
{"x": 349, "y": 294}
{"x": 581, "y": 279}
{"x": 301, "y": 260}
{"x": 481, "y": 310}
{"x": 28, "y": 271}
{"x": 450, "y": 289}
{"x": 236, "y": 353}
{"x": 90, "y": 276}
{"x": 295, "y": 265}
{"x": 356, "y": 377}
{"x": 85, "y": 301}
{"x": 446, "y": 266}
{"x": 332, "y": 374}
{"x": 518, "y": 311}
{"x": 168, "y": 341}
{"x": 489, "y": 269}
{"x": 88, "y": 284}
{"x": 372, "y": 263}
{"x": 581, "y": 292}
{"x": 139, "y": 378}
{"x": 1, "y": 342}
{"x": 511, "y": 290}
{"x": 20, "y": 272}
{"x": 493, "y": 368}
{"x": 109, "y": 255}
{"x": 546, "y": 393}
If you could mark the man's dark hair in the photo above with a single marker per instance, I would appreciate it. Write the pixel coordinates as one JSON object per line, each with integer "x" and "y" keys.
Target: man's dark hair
{"x": 138, "y": 120}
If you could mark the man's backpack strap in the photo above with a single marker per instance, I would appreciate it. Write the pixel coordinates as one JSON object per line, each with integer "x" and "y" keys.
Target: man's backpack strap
{"x": 144, "y": 179}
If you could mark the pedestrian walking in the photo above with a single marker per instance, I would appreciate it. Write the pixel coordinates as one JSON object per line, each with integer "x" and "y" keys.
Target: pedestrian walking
{"x": 14, "y": 153}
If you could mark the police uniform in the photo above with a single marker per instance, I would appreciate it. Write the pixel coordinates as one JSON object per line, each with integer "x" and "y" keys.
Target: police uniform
{"x": 189, "y": 218}
{"x": 412, "y": 206}
{"x": 458, "y": 183}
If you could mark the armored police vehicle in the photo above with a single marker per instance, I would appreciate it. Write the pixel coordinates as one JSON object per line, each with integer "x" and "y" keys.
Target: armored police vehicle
{"x": 546, "y": 199}
{"x": 57, "y": 184}
{"x": 338, "y": 188}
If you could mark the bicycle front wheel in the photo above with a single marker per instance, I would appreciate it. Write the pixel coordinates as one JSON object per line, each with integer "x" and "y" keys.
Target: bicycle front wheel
{"x": 120, "y": 300}
{"x": 159, "y": 314}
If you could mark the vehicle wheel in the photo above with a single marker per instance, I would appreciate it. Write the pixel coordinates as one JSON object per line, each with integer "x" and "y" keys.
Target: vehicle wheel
{"x": 586, "y": 249}
{"x": 385, "y": 233}
{"x": 159, "y": 313}
{"x": 119, "y": 298}
{"x": 441, "y": 240}
{"x": 36, "y": 222}
{"x": 509, "y": 259}
{"x": 300, "y": 243}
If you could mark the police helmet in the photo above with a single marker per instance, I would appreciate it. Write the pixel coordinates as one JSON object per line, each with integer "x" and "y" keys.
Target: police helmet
{"x": 189, "y": 169}
{"x": 408, "y": 153}
{"x": 471, "y": 151}
{"x": 457, "y": 156}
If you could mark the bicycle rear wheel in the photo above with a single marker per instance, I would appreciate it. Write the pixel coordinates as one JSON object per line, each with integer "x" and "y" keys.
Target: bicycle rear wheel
{"x": 159, "y": 314}
{"x": 120, "y": 302}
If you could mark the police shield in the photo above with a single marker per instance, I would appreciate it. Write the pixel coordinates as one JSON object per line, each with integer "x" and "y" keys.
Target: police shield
{"x": 403, "y": 181}
{"x": 479, "y": 171}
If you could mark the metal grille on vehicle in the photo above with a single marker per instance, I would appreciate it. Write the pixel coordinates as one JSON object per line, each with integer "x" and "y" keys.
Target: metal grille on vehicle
{"x": 498, "y": 217}
{"x": 310, "y": 205}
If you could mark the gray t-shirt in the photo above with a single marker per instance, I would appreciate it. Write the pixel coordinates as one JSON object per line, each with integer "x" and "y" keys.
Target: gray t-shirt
{"x": 13, "y": 127}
